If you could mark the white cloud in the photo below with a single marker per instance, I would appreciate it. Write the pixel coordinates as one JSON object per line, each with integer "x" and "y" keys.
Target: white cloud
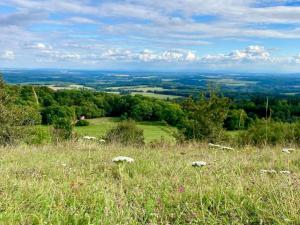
{"x": 295, "y": 59}
{"x": 81, "y": 20}
{"x": 7, "y": 55}
{"x": 251, "y": 54}
{"x": 39, "y": 46}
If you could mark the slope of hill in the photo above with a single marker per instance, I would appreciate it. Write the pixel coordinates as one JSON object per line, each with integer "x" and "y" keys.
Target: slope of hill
{"x": 75, "y": 183}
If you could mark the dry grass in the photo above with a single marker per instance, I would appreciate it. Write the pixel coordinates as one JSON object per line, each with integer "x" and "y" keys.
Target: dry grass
{"x": 77, "y": 183}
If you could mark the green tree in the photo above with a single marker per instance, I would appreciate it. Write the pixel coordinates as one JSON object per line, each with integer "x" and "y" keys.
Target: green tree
{"x": 52, "y": 113}
{"x": 236, "y": 120}
{"x": 142, "y": 111}
{"x": 205, "y": 117}
{"x": 16, "y": 121}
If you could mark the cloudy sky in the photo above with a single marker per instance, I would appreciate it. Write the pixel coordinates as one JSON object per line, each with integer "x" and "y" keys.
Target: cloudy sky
{"x": 202, "y": 35}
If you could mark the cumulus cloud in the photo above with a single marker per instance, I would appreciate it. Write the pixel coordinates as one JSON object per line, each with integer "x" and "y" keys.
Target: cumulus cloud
{"x": 251, "y": 54}
{"x": 7, "y": 55}
{"x": 295, "y": 59}
{"x": 179, "y": 32}
{"x": 173, "y": 55}
{"x": 39, "y": 46}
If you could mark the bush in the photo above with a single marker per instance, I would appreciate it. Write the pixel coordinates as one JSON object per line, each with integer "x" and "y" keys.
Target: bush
{"x": 62, "y": 129}
{"x": 126, "y": 133}
{"x": 82, "y": 123}
{"x": 264, "y": 132}
{"x": 37, "y": 135}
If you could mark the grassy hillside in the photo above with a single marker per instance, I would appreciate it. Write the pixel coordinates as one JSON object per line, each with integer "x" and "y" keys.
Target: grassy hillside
{"x": 152, "y": 130}
{"x": 78, "y": 184}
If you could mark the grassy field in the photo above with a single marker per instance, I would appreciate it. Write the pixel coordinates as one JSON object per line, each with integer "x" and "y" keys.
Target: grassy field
{"x": 155, "y": 95}
{"x": 152, "y": 130}
{"x": 77, "y": 183}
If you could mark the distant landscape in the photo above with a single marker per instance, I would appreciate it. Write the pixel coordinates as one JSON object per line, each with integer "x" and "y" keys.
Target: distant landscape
{"x": 158, "y": 84}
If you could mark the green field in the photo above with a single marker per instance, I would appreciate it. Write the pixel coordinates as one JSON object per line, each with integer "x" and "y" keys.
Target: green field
{"x": 155, "y": 95}
{"x": 99, "y": 127}
{"x": 144, "y": 90}
{"x": 152, "y": 130}
{"x": 77, "y": 183}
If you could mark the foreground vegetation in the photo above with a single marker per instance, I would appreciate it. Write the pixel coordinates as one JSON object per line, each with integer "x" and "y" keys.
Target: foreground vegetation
{"x": 77, "y": 183}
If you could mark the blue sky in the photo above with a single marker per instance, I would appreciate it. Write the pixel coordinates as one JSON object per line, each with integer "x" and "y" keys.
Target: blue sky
{"x": 198, "y": 35}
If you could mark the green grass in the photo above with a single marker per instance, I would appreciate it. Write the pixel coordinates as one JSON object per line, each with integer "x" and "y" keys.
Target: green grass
{"x": 77, "y": 183}
{"x": 152, "y": 130}
{"x": 99, "y": 127}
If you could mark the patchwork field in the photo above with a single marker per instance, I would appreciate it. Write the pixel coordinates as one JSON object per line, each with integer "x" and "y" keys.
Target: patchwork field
{"x": 77, "y": 183}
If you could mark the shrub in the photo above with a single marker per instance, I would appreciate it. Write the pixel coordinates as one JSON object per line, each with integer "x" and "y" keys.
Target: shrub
{"x": 126, "y": 133}
{"x": 62, "y": 129}
{"x": 82, "y": 123}
{"x": 265, "y": 132}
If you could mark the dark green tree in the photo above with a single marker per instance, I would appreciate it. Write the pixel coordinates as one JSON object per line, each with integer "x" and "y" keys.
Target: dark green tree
{"x": 16, "y": 121}
{"x": 205, "y": 117}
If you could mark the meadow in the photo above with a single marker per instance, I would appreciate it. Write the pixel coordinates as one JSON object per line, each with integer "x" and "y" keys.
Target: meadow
{"x": 77, "y": 183}
{"x": 98, "y": 128}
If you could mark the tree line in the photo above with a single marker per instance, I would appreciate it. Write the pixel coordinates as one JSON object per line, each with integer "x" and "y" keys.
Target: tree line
{"x": 206, "y": 117}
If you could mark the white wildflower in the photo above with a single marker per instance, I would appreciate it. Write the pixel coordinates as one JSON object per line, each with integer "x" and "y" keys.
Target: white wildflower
{"x": 288, "y": 150}
{"x": 285, "y": 172}
{"x": 89, "y": 138}
{"x": 123, "y": 159}
{"x": 220, "y": 146}
{"x": 199, "y": 163}
{"x": 268, "y": 171}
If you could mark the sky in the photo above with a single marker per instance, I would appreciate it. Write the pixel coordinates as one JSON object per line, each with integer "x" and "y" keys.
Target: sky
{"x": 167, "y": 35}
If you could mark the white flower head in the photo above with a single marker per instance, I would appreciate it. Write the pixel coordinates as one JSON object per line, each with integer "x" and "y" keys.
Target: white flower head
{"x": 123, "y": 159}
{"x": 199, "y": 163}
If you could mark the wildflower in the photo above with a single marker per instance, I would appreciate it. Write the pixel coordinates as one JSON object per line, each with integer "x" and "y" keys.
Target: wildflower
{"x": 123, "y": 159}
{"x": 268, "y": 171}
{"x": 199, "y": 163}
{"x": 89, "y": 138}
{"x": 285, "y": 172}
{"x": 181, "y": 189}
{"x": 220, "y": 146}
{"x": 288, "y": 150}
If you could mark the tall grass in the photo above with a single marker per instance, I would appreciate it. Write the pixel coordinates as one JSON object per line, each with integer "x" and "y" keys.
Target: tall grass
{"x": 76, "y": 183}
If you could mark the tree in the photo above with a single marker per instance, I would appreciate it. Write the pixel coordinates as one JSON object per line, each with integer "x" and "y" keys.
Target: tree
{"x": 16, "y": 121}
{"x": 142, "y": 111}
{"x": 236, "y": 120}
{"x": 52, "y": 113}
{"x": 205, "y": 117}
